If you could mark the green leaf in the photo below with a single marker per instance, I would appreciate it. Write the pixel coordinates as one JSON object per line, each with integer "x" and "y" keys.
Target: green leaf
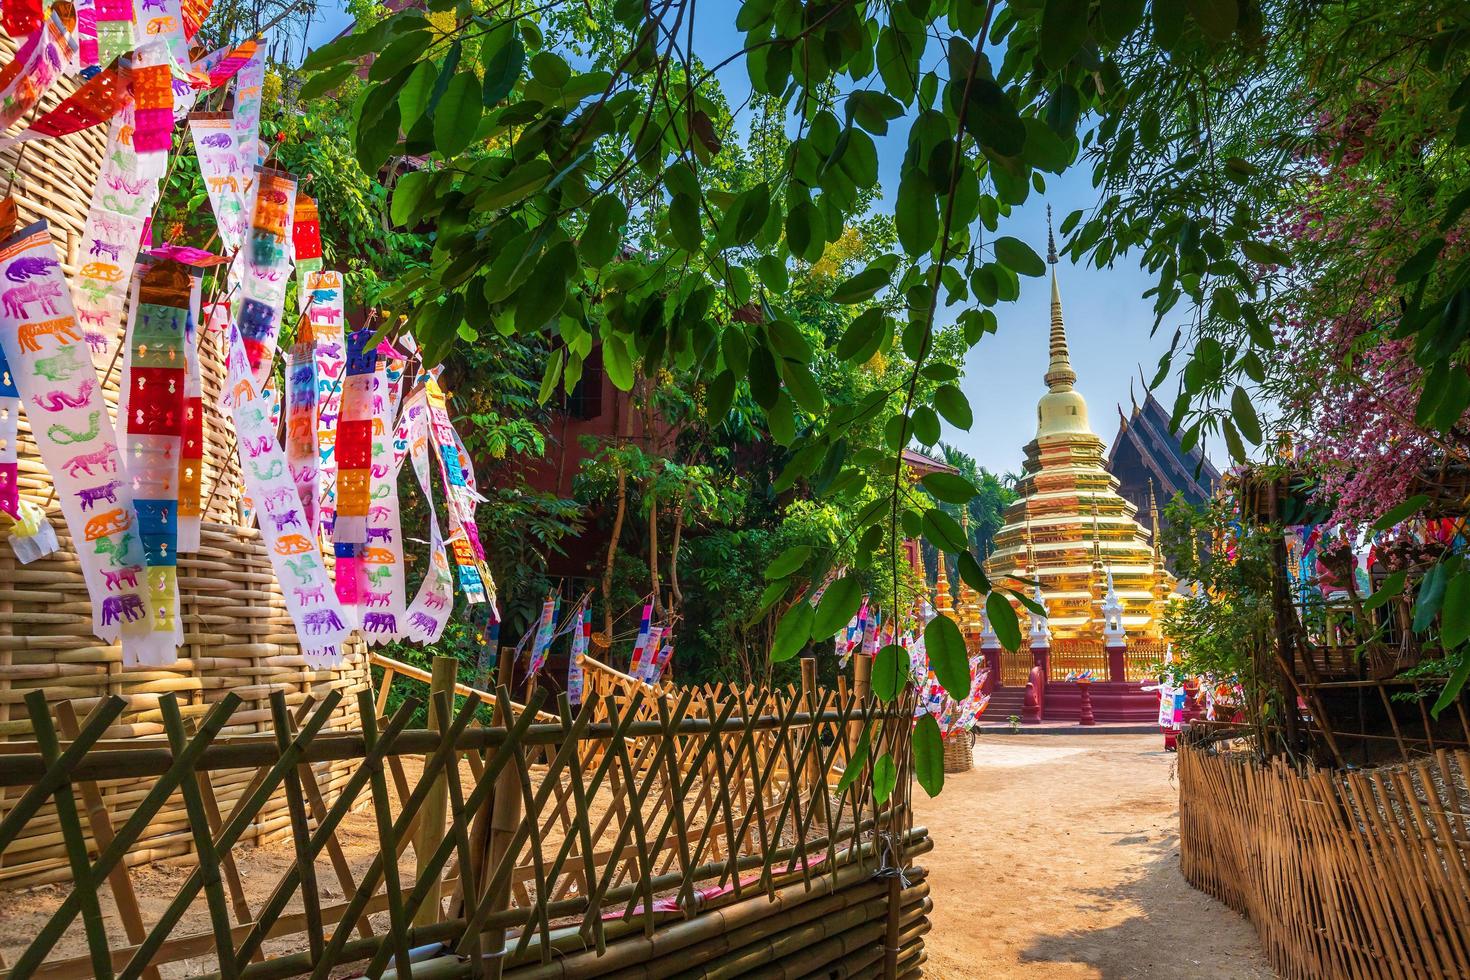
{"x": 502, "y": 70}
{"x": 1019, "y": 257}
{"x": 1452, "y": 687}
{"x": 1063, "y": 31}
{"x": 890, "y": 669}
{"x": 1217, "y": 18}
{"x": 1232, "y": 442}
{"x": 944, "y": 532}
{"x": 419, "y": 93}
{"x": 617, "y": 363}
{"x": 803, "y": 387}
{"x": 839, "y": 604}
{"x": 1454, "y": 624}
{"x": 1245, "y": 415}
{"x": 398, "y": 55}
{"x": 792, "y": 632}
{"x": 604, "y": 232}
{"x": 917, "y": 213}
{"x": 954, "y": 406}
{"x": 1265, "y": 254}
{"x": 948, "y": 658}
{"x": 323, "y": 82}
{"x": 948, "y": 487}
{"x": 863, "y": 337}
{"x": 973, "y": 575}
{"x": 863, "y": 286}
{"x": 1429, "y": 598}
{"x": 1002, "y": 616}
{"x": 458, "y": 114}
{"x": 788, "y": 561}
{"x": 885, "y": 778}
{"x": 929, "y": 754}
{"x": 377, "y": 137}
{"x": 857, "y": 763}
{"x": 719, "y": 395}
{"x": 684, "y": 222}
{"x": 551, "y": 376}
{"x": 1401, "y": 512}
{"x": 352, "y": 46}
{"x": 787, "y": 341}
{"x": 1119, "y": 18}
{"x": 407, "y": 194}
{"x": 1419, "y": 265}
{"x": 1392, "y": 585}
{"x": 926, "y": 425}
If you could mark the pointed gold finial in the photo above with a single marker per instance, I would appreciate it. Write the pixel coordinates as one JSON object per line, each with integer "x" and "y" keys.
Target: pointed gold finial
{"x": 1059, "y": 373}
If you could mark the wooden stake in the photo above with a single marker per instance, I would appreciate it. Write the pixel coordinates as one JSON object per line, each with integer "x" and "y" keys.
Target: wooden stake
{"x": 431, "y": 815}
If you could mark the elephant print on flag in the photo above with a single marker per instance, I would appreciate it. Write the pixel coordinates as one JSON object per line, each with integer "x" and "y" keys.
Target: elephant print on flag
{"x": 321, "y": 624}
{"x": 429, "y": 612}
{"x": 380, "y": 560}
{"x": 58, "y": 386}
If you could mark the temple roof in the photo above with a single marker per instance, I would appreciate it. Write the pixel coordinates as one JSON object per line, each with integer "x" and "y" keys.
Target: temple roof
{"x": 1144, "y": 437}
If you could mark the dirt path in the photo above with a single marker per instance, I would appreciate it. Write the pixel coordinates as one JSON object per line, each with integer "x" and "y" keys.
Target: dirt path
{"x": 1058, "y": 857}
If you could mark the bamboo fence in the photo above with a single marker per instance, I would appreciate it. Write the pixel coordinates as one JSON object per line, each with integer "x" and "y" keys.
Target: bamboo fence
{"x": 641, "y": 835}
{"x": 238, "y": 637}
{"x": 1343, "y": 873}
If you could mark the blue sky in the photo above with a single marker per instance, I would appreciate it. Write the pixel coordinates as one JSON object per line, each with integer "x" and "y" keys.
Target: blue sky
{"x": 1108, "y": 322}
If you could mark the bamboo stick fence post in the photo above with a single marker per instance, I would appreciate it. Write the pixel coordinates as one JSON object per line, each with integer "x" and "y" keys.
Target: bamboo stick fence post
{"x": 431, "y": 820}
{"x": 809, "y": 700}
{"x": 496, "y": 824}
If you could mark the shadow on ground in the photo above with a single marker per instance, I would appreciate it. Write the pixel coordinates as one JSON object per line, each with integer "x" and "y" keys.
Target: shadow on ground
{"x": 1153, "y": 943}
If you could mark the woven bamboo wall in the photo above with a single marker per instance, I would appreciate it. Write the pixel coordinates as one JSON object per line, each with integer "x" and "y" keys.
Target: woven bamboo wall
{"x": 238, "y": 635}
{"x": 1343, "y": 874}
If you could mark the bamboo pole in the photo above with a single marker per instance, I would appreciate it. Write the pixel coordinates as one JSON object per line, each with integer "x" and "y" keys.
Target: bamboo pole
{"x": 123, "y": 894}
{"x": 431, "y": 815}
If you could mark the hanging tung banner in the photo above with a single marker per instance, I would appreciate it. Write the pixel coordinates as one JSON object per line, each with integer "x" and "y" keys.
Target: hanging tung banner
{"x": 266, "y": 271}
{"x": 429, "y": 612}
{"x": 55, "y": 379}
{"x": 321, "y": 624}
{"x": 151, "y": 411}
{"x": 381, "y": 598}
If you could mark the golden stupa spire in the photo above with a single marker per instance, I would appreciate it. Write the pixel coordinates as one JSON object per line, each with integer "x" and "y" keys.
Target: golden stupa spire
{"x": 1059, "y": 373}
{"x": 943, "y": 601}
{"x": 968, "y": 607}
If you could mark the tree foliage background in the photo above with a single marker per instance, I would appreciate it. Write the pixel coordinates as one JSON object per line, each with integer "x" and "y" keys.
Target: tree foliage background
{"x": 576, "y": 179}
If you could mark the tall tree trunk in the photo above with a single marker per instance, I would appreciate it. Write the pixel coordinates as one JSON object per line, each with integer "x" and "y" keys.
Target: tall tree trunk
{"x": 657, "y": 587}
{"x": 650, "y": 438}
{"x": 678, "y": 594}
{"x": 617, "y": 531}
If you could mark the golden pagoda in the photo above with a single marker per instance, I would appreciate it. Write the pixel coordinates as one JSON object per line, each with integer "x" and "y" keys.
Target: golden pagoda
{"x": 1070, "y": 528}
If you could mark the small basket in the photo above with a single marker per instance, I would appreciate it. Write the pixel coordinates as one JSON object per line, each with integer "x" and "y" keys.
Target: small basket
{"x": 959, "y": 752}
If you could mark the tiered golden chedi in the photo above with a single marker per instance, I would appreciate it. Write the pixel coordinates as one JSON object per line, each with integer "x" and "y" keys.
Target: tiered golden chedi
{"x": 1070, "y": 527}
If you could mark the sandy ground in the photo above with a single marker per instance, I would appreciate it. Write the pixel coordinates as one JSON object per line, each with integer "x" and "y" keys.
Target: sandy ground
{"x": 1058, "y": 856}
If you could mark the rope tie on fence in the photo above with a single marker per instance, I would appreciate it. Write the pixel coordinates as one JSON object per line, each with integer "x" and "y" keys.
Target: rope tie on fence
{"x": 889, "y": 866}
